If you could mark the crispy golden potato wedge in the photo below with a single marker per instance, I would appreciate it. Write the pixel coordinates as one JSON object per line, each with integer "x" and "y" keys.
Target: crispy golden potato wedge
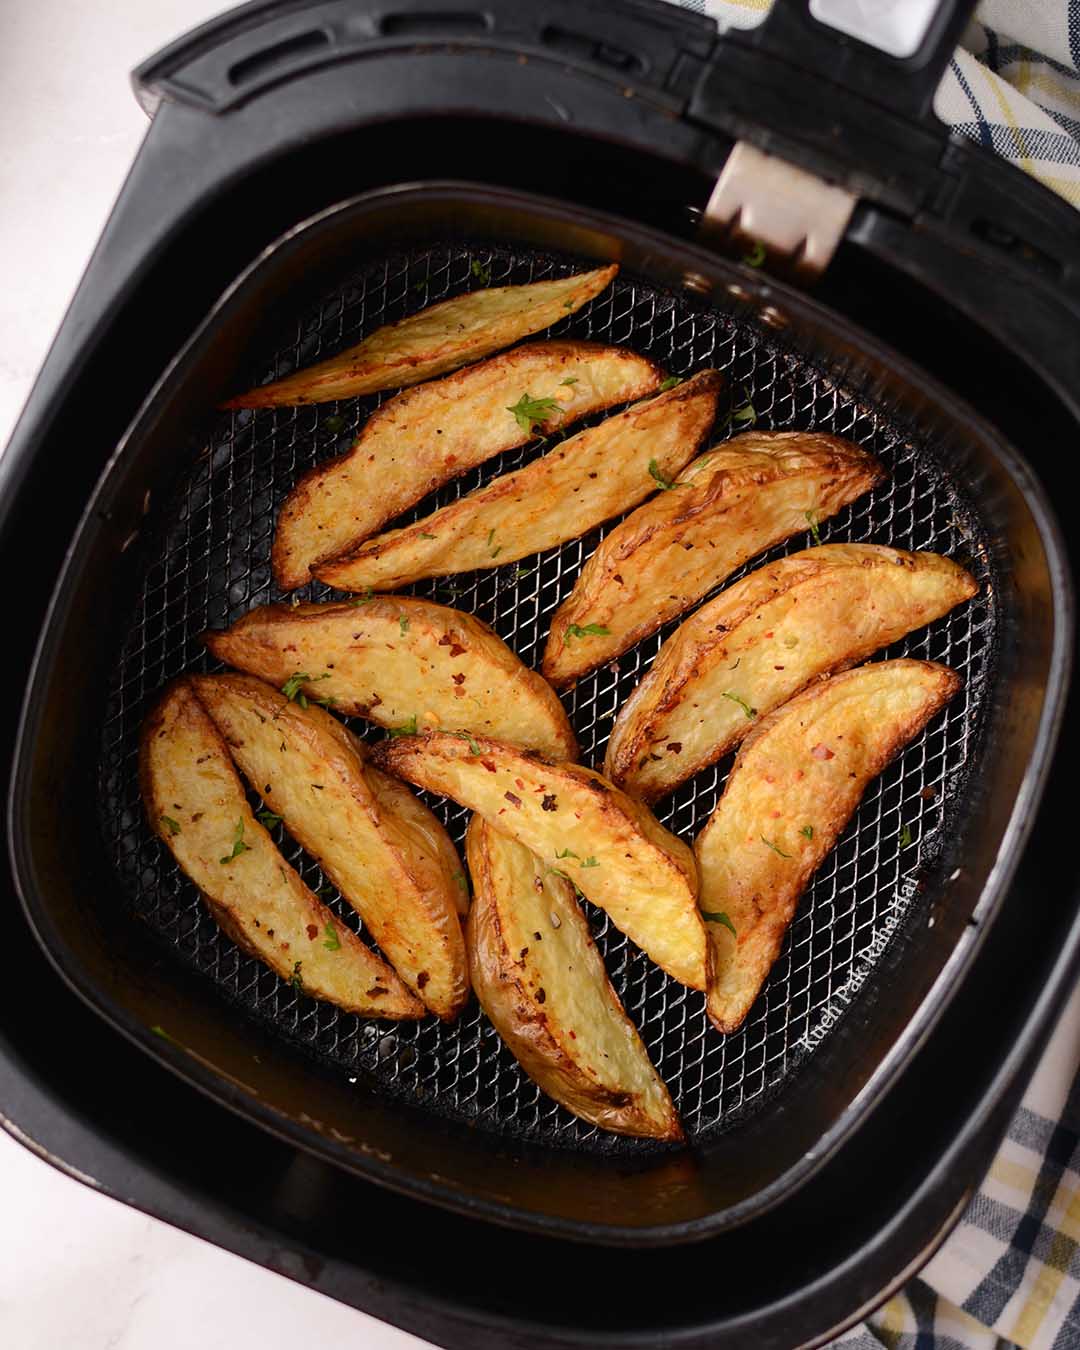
{"x": 423, "y": 438}
{"x": 589, "y": 478}
{"x": 436, "y": 339}
{"x": 759, "y": 642}
{"x": 742, "y": 497}
{"x": 401, "y": 662}
{"x": 614, "y": 850}
{"x": 540, "y": 979}
{"x": 197, "y": 805}
{"x": 398, "y": 871}
{"x": 796, "y": 783}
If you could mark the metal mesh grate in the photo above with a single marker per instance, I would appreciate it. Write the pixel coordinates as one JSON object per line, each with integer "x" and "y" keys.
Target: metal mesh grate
{"x": 209, "y": 563}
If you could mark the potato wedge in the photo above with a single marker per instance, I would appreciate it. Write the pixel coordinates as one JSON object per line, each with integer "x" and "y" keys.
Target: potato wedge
{"x": 197, "y": 805}
{"x": 393, "y": 868}
{"x": 796, "y": 783}
{"x": 742, "y": 497}
{"x": 759, "y": 642}
{"x": 402, "y": 662}
{"x": 541, "y": 981}
{"x": 423, "y": 438}
{"x": 436, "y": 339}
{"x": 589, "y": 478}
{"x": 613, "y": 849}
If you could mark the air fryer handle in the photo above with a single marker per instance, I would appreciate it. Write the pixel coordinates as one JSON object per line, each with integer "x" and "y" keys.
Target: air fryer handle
{"x": 905, "y": 85}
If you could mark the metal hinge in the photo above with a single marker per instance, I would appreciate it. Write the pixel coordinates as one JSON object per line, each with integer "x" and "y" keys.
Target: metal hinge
{"x": 797, "y": 217}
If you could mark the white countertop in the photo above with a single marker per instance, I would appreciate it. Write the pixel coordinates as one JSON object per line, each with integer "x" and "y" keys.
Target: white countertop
{"x": 79, "y": 1271}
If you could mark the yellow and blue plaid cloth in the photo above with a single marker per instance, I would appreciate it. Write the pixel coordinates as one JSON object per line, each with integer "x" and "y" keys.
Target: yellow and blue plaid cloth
{"x": 1009, "y": 1273}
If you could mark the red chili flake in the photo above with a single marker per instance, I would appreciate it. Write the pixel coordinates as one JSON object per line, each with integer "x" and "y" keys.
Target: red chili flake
{"x": 459, "y": 678}
{"x": 519, "y": 784}
{"x": 514, "y": 801}
{"x": 549, "y": 803}
{"x": 928, "y": 794}
{"x": 617, "y": 578}
{"x": 457, "y": 649}
{"x": 822, "y": 752}
{"x": 675, "y": 747}
{"x": 778, "y": 667}
{"x": 445, "y": 640}
{"x": 523, "y": 953}
{"x": 422, "y": 979}
{"x": 541, "y": 997}
{"x": 488, "y": 765}
{"x": 312, "y": 931}
{"x": 376, "y": 991}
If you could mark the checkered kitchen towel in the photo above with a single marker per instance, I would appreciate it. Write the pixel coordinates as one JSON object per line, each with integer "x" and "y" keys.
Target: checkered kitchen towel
{"x": 1009, "y": 1274}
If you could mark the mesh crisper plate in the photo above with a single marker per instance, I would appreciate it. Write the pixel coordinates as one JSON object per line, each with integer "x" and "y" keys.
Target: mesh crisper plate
{"x": 209, "y": 563}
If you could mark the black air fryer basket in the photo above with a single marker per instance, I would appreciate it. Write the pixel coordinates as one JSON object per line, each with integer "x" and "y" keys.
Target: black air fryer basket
{"x": 315, "y": 170}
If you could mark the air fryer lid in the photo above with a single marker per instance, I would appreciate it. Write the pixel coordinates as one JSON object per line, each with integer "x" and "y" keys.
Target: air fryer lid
{"x": 215, "y": 519}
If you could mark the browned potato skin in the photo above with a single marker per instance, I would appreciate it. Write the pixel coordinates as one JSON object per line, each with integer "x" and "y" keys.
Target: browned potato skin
{"x": 436, "y": 339}
{"x": 644, "y": 877}
{"x": 761, "y": 641}
{"x": 597, "y": 474}
{"x": 556, "y": 1025}
{"x": 743, "y": 497}
{"x": 390, "y": 659}
{"x": 806, "y": 765}
{"x": 426, "y": 436}
{"x": 186, "y": 774}
{"x": 396, "y": 867}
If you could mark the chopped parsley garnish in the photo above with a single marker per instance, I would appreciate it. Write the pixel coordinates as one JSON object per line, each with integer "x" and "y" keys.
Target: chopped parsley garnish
{"x": 333, "y": 424}
{"x": 172, "y": 825}
{"x": 267, "y": 819}
{"x": 589, "y": 862}
{"x": 295, "y": 979}
{"x": 421, "y": 287}
{"x": 403, "y": 624}
{"x": 481, "y": 273}
{"x": 293, "y": 687}
{"x": 406, "y": 729}
{"x": 745, "y": 415}
{"x": 520, "y": 571}
{"x": 905, "y": 836}
{"x": 570, "y": 379}
{"x": 811, "y": 520}
{"x": 568, "y": 853}
{"x": 424, "y": 535}
{"x": 671, "y": 382}
{"x": 751, "y": 713}
{"x": 576, "y": 630}
{"x": 528, "y": 411}
{"x": 364, "y": 598}
{"x": 459, "y": 877}
{"x": 490, "y": 540}
{"x": 718, "y": 916}
{"x": 769, "y": 844}
{"x": 474, "y": 749}
{"x": 807, "y": 831}
{"x": 238, "y": 844}
{"x": 756, "y": 256}
{"x": 664, "y": 484}
{"x": 333, "y": 942}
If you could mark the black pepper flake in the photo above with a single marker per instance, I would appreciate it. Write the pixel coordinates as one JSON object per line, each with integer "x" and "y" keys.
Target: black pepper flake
{"x": 675, "y": 747}
{"x": 549, "y": 803}
{"x": 514, "y": 801}
{"x": 422, "y": 979}
{"x": 541, "y": 997}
